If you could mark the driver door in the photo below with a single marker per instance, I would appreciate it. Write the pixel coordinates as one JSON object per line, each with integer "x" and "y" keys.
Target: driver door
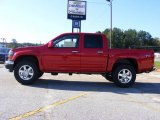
{"x": 65, "y": 54}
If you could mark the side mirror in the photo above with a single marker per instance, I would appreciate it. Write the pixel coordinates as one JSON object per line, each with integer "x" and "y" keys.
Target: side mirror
{"x": 50, "y": 44}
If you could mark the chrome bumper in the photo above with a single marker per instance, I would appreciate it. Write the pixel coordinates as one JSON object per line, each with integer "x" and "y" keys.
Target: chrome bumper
{"x": 9, "y": 65}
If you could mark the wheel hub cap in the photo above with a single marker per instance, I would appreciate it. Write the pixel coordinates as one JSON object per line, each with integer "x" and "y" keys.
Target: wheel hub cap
{"x": 26, "y": 72}
{"x": 124, "y": 76}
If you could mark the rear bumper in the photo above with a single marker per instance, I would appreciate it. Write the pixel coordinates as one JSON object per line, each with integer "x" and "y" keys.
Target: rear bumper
{"x": 9, "y": 65}
{"x": 153, "y": 69}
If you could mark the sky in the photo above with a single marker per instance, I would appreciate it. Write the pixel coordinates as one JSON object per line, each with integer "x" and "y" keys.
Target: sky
{"x": 39, "y": 21}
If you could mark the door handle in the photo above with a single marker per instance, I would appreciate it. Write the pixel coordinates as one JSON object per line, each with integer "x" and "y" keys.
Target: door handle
{"x": 99, "y": 52}
{"x": 75, "y": 51}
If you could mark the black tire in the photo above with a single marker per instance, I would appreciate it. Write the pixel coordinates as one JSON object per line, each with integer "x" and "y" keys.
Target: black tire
{"x": 108, "y": 77}
{"x": 124, "y": 76}
{"x": 26, "y": 72}
{"x": 40, "y": 74}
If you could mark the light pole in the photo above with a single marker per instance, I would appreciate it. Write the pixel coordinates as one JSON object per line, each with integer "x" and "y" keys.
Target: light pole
{"x": 111, "y": 22}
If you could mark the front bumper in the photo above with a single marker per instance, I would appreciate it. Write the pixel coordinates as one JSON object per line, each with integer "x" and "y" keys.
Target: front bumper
{"x": 9, "y": 65}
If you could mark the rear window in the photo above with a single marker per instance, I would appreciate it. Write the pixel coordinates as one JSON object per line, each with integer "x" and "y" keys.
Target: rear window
{"x": 93, "y": 41}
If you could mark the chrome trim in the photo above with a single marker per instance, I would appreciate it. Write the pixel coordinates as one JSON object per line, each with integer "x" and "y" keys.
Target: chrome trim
{"x": 9, "y": 62}
{"x": 75, "y": 51}
{"x": 99, "y": 52}
{"x": 147, "y": 55}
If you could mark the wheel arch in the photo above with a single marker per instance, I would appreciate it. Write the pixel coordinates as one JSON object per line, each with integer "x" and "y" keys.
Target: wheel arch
{"x": 31, "y": 58}
{"x": 128, "y": 61}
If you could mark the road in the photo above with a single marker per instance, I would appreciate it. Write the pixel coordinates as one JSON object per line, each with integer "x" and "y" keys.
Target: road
{"x": 79, "y": 97}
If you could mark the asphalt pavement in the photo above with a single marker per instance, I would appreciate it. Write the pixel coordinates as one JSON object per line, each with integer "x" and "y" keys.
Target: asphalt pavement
{"x": 79, "y": 97}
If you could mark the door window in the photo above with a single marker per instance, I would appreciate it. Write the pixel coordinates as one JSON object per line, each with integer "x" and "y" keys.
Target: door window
{"x": 67, "y": 41}
{"x": 93, "y": 41}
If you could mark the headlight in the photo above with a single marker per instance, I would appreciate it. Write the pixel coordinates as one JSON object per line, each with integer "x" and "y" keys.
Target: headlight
{"x": 10, "y": 54}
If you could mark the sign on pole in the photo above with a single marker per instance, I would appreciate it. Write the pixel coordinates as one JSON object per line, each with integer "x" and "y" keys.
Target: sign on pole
{"x": 76, "y": 23}
{"x": 76, "y": 10}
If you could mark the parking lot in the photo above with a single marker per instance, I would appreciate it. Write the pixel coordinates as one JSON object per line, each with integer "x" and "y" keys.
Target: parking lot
{"x": 79, "y": 97}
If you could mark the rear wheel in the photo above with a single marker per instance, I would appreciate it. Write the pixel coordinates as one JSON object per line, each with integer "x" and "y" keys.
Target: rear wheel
{"x": 40, "y": 74}
{"x": 124, "y": 76}
{"x": 26, "y": 72}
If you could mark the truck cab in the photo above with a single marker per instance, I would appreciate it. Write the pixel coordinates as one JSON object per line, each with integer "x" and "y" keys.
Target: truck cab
{"x": 76, "y": 53}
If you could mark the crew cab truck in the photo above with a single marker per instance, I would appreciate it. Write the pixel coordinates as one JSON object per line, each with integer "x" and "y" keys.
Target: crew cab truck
{"x": 82, "y": 53}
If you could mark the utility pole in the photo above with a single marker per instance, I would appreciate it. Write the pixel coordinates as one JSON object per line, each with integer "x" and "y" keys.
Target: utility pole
{"x": 110, "y": 22}
{"x": 4, "y": 41}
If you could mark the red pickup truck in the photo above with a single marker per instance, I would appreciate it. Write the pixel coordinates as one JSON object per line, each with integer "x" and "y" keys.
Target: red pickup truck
{"x": 82, "y": 53}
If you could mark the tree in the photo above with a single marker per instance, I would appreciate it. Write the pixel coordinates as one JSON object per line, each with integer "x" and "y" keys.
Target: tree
{"x": 117, "y": 38}
{"x": 107, "y": 33}
{"x": 98, "y": 32}
{"x": 131, "y": 38}
{"x": 145, "y": 38}
{"x": 14, "y": 41}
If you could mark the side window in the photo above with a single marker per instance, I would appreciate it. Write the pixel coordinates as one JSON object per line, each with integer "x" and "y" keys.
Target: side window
{"x": 67, "y": 41}
{"x": 93, "y": 41}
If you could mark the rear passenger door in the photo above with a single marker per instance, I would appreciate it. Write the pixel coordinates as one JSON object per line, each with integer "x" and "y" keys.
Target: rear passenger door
{"x": 93, "y": 54}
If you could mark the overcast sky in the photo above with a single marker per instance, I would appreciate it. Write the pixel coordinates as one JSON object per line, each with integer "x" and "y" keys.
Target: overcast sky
{"x": 41, "y": 20}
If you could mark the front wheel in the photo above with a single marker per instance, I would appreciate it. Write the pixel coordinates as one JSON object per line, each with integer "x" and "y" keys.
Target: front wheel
{"x": 26, "y": 72}
{"x": 124, "y": 76}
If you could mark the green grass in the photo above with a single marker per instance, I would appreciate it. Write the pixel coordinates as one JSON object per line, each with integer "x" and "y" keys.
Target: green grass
{"x": 157, "y": 64}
